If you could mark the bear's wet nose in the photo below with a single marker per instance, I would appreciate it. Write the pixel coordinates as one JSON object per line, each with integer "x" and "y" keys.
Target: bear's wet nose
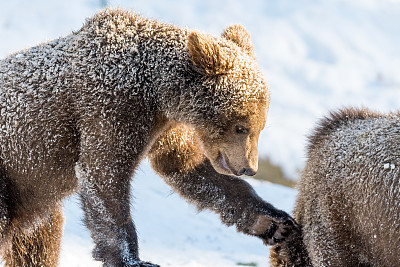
{"x": 247, "y": 172}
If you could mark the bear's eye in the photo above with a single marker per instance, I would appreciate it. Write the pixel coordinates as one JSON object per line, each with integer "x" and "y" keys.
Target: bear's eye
{"x": 241, "y": 130}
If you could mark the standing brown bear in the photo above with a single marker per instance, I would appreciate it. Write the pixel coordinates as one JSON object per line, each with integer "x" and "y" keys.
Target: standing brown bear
{"x": 348, "y": 207}
{"x": 79, "y": 113}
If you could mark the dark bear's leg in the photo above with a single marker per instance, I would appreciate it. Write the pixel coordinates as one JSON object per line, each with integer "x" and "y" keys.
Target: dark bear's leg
{"x": 177, "y": 157}
{"x": 38, "y": 246}
{"x": 327, "y": 235}
{"x": 326, "y": 249}
{"x": 4, "y": 206}
{"x": 104, "y": 172}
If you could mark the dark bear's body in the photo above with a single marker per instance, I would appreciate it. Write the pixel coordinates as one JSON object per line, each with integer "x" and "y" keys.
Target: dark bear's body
{"x": 80, "y": 112}
{"x": 348, "y": 202}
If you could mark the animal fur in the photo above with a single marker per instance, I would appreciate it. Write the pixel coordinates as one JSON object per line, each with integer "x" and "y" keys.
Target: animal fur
{"x": 79, "y": 113}
{"x": 348, "y": 203}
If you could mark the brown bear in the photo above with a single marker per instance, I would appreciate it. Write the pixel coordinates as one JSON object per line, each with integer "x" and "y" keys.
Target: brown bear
{"x": 79, "y": 113}
{"x": 348, "y": 204}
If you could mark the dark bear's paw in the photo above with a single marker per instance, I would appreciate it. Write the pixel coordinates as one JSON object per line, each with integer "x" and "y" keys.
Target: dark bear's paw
{"x": 131, "y": 264}
{"x": 273, "y": 229}
{"x": 143, "y": 264}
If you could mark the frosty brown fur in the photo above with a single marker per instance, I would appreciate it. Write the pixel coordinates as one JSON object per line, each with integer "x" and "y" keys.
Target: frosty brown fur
{"x": 348, "y": 203}
{"x": 79, "y": 113}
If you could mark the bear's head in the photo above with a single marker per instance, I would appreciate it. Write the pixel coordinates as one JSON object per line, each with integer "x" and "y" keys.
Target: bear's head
{"x": 230, "y": 97}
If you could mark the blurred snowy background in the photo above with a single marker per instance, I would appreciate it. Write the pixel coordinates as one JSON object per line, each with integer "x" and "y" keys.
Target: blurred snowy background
{"x": 316, "y": 55}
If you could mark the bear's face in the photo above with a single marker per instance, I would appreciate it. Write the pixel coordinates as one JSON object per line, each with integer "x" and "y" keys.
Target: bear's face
{"x": 234, "y": 149}
{"x": 228, "y": 128}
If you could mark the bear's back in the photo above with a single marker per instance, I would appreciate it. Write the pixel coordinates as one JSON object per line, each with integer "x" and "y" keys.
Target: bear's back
{"x": 352, "y": 182}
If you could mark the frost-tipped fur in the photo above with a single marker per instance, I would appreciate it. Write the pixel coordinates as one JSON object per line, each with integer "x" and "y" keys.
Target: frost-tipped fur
{"x": 80, "y": 112}
{"x": 348, "y": 203}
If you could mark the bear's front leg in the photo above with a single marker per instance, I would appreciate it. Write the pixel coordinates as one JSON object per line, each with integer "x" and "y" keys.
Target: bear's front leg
{"x": 177, "y": 157}
{"x": 104, "y": 168}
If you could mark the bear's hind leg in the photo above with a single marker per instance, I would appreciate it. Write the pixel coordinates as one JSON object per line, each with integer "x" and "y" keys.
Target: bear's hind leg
{"x": 4, "y": 207}
{"x": 39, "y": 246}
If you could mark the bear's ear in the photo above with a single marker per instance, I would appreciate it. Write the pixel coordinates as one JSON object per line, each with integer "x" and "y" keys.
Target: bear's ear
{"x": 207, "y": 55}
{"x": 240, "y": 36}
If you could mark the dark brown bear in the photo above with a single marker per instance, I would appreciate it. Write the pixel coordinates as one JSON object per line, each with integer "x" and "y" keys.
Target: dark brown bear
{"x": 79, "y": 113}
{"x": 348, "y": 204}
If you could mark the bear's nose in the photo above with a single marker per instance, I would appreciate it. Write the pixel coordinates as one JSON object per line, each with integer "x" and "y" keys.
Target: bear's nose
{"x": 247, "y": 172}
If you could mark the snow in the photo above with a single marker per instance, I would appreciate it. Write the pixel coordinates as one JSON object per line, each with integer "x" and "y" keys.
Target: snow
{"x": 386, "y": 166}
{"x": 316, "y": 55}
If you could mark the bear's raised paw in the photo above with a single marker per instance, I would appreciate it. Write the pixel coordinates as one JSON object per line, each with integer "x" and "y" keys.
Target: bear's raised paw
{"x": 273, "y": 230}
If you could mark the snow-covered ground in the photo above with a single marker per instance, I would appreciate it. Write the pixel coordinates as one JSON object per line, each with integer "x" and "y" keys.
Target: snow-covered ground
{"x": 316, "y": 55}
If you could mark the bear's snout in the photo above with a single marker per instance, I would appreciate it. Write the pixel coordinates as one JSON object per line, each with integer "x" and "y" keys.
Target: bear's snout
{"x": 247, "y": 172}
